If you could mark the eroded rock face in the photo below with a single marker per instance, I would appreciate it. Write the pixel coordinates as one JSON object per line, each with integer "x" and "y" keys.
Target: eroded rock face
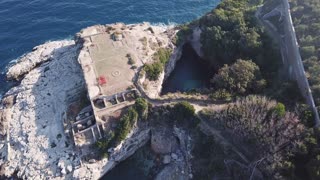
{"x": 34, "y": 119}
{"x": 33, "y": 112}
{"x": 39, "y": 55}
{"x": 195, "y": 41}
{"x": 163, "y": 141}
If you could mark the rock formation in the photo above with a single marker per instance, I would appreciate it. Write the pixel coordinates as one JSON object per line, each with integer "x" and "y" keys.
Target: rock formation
{"x": 33, "y": 142}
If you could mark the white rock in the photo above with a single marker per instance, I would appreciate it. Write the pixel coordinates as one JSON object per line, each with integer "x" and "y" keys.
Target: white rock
{"x": 63, "y": 171}
{"x": 69, "y": 168}
{"x": 36, "y": 117}
{"x": 174, "y": 156}
{"x": 166, "y": 159}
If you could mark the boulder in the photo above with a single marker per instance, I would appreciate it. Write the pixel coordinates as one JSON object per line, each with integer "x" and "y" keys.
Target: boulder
{"x": 166, "y": 159}
{"x": 174, "y": 156}
{"x": 163, "y": 142}
{"x": 69, "y": 168}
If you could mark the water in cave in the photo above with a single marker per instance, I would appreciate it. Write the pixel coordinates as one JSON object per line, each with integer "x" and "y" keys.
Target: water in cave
{"x": 191, "y": 72}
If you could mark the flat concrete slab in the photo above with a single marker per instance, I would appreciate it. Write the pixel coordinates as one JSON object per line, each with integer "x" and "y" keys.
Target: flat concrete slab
{"x": 110, "y": 63}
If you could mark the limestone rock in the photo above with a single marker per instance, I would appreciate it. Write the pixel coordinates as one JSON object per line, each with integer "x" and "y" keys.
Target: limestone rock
{"x": 163, "y": 142}
{"x": 34, "y": 118}
{"x": 40, "y": 54}
{"x": 174, "y": 156}
{"x": 166, "y": 159}
{"x": 69, "y": 168}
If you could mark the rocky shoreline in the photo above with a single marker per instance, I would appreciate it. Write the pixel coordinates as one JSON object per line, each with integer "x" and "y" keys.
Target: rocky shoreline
{"x": 33, "y": 142}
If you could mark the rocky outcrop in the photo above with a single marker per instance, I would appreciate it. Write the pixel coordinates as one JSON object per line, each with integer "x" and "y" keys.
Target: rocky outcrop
{"x": 127, "y": 148}
{"x": 40, "y": 54}
{"x": 33, "y": 142}
{"x": 35, "y": 119}
{"x": 195, "y": 42}
{"x": 175, "y": 56}
{"x": 163, "y": 141}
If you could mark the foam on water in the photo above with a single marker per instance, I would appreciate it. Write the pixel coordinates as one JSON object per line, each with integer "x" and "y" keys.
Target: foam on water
{"x": 26, "y": 24}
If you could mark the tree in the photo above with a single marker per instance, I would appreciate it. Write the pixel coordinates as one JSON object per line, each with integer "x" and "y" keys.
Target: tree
{"x": 153, "y": 70}
{"x": 238, "y": 78}
{"x": 161, "y": 57}
{"x": 252, "y": 123}
{"x": 280, "y": 110}
{"x": 183, "y": 110}
{"x": 125, "y": 125}
{"x": 141, "y": 106}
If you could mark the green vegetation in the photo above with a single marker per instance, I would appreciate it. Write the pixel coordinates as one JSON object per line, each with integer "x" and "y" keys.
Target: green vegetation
{"x": 182, "y": 34}
{"x": 240, "y": 77}
{"x": 183, "y": 110}
{"x": 141, "y": 106}
{"x": 153, "y": 70}
{"x": 103, "y": 144}
{"x": 161, "y": 57}
{"x": 264, "y": 128}
{"x": 280, "y": 110}
{"x": 210, "y": 156}
{"x": 221, "y": 94}
{"x": 231, "y": 32}
{"x": 126, "y": 123}
{"x": 306, "y": 15}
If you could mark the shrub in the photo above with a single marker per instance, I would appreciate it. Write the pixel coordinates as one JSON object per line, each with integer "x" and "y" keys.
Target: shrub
{"x": 127, "y": 122}
{"x": 280, "y": 110}
{"x": 162, "y": 55}
{"x": 141, "y": 106}
{"x": 182, "y": 34}
{"x": 239, "y": 78}
{"x": 183, "y": 110}
{"x": 306, "y": 115}
{"x": 221, "y": 94}
{"x": 308, "y": 51}
{"x": 153, "y": 70}
{"x": 253, "y": 123}
{"x": 131, "y": 60}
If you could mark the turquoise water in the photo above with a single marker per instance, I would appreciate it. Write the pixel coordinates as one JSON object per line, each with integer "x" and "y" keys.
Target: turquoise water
{"x": 191, "y": 72}
{"x": 27, "y": 23}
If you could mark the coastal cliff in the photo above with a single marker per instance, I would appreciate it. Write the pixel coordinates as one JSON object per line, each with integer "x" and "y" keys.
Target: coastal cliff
{"x": 33, "y": 141}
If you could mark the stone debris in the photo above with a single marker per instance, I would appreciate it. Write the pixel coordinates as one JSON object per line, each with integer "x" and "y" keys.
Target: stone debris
{"x": 166, "y": 159}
